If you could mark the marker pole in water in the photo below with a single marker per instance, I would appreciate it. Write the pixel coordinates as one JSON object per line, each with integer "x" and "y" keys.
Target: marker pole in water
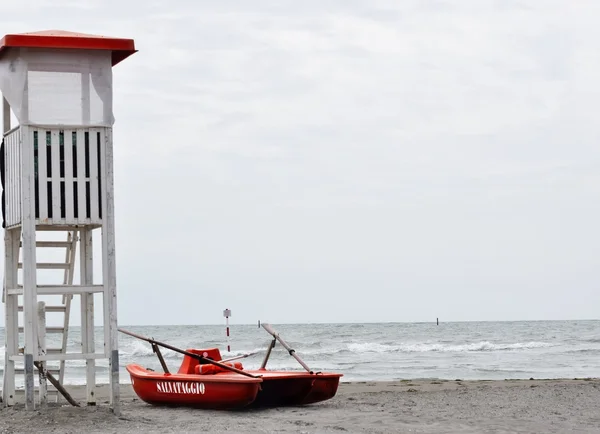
{"x": 227, "y": 314}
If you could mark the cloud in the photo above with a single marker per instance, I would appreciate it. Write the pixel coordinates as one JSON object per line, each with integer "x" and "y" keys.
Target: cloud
{"x": 336, "y": 147}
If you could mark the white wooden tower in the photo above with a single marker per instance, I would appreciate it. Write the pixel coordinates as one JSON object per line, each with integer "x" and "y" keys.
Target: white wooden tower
{"x": 57, "y": 181}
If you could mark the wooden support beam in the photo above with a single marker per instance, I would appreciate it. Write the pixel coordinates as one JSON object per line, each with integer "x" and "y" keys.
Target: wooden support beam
{"x": 58, "y": 386}
{"x": 43, "y": 388}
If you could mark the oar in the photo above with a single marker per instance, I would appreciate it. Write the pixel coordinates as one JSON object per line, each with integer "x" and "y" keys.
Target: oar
{"x": 195, "y": 356}
{"x": 243, "y": 356}
{"x": 292, "y": 352}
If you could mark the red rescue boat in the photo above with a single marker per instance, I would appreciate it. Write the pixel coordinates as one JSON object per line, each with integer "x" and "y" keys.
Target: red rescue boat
{"x": 231, "y": 386}
{"x": 188, "y": 388}
{"x": 228, "y": 391}
{"x": 283, "y": 388}
{"x": 278, "y": 388}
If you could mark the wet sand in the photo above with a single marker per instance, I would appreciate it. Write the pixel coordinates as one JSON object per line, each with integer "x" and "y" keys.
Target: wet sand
{"x": 423, "y": 406}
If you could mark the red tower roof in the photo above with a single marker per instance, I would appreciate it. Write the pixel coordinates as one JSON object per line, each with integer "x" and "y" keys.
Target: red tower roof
{"x": 121, "y": 48}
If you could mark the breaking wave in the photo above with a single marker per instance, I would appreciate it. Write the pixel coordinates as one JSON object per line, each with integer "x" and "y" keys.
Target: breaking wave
{"x": 433, "y": 347}
{"x": 140, "y": 349}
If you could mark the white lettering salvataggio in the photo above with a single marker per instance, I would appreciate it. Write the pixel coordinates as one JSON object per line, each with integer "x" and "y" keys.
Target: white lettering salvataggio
{"x": 181, "y": 388}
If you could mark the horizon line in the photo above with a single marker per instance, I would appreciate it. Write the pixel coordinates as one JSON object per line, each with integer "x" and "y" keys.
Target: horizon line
{"x": 254, "y": 324}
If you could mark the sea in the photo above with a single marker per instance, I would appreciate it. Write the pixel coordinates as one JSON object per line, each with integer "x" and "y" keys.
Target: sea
{"x": 371, "y": 352}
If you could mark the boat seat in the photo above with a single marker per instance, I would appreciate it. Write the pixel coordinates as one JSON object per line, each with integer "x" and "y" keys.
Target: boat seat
{"x": 208, "y": 369}
{"x": 188, "y": 364}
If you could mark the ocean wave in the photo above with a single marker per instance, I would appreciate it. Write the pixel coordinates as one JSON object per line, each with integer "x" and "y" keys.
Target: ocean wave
{"x": 419, "y": 347}
{"x": 141, "y": 349}
{"x": 372, "y": 347}
{"x": 433, "y": 347}
{"x": 584, "y": 351}
{"x": 502, "y": 371}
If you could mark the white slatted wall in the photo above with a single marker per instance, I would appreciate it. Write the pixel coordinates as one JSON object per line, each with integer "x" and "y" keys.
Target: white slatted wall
{"x": 68, "y": 180}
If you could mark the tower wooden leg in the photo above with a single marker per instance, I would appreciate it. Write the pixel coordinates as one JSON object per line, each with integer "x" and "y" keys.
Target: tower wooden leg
{"x": 12, "y": 239}
{"x": 87, "y": 314}
{"x": 109, "y": 279}
{"x": 29, "y": 260}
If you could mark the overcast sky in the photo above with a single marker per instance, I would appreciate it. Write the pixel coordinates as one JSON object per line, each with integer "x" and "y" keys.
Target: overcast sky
{"x": 350, "y": 161}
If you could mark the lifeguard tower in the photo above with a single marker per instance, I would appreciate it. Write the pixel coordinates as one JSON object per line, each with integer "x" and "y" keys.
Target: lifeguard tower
{"x": 57, "y": 182}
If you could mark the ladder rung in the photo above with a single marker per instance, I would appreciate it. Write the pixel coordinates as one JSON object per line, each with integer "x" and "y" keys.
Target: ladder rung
{"x": 49, "y": 329}
{"x": 59, "y": 289}
{"x": 51, "y": 389}
{"x": 48, "y": 350}
{"x": 51, "y": 244}
{"x": 22, "y": 371}
{"x": 72, "y": 356}
{"x": 55, "y": 357}
{"x": 50, "y": 308}
{"x": 49, "y": 266}
{"x": 54, "y": 353}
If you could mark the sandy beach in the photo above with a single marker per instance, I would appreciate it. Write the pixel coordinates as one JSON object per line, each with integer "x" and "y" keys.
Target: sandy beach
{"x": 423, "y": 406}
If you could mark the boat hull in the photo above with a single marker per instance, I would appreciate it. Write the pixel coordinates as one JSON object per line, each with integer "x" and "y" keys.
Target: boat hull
{"x": 324, "y": 388}
{"x": 285, "y": 388}
{"x": 223, "y": 391}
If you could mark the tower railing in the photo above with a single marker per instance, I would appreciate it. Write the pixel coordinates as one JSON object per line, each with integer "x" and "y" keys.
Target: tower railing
{"x": 68, "y": 175}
